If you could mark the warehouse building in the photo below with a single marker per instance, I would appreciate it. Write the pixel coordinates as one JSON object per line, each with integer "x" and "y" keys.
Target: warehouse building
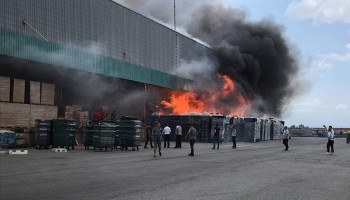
{"x": 69, "y": 58}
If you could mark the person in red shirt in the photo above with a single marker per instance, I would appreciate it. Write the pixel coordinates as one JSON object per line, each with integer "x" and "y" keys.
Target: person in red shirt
{"x": 99, "y": 115}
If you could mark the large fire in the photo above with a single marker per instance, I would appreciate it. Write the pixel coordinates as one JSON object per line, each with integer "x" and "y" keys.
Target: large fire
{"x": 224, "y": 100}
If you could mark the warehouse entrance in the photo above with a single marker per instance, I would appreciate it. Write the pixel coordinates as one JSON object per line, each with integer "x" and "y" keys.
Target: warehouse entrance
{"x": 72, "y": 90}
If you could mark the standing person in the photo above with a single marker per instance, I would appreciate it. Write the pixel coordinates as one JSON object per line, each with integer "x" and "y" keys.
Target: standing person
{"x": 178, "y": 132}
{"x": 285, "y": 137}
{"x": 193, "y": 134}
{"x": 330, "y": 143}
{"x": 348, "y": 138}
{"x": 148, "y": 136}
{"x": 99, "y": 115}
{"x": 167, "y": 132}
{"x": 216, "y": 136}
{"x": 234, "y": 134}
{"x": 157, "y": 132}
{"x": 114, "y": 116}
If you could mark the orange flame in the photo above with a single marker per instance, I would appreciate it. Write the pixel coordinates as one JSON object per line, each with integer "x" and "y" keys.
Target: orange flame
{"x": 229, "y": 86}
{"x": 208, "y": 101}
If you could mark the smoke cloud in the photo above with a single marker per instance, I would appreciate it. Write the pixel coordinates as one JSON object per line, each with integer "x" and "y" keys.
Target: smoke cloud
{"x": 256, "y": 55}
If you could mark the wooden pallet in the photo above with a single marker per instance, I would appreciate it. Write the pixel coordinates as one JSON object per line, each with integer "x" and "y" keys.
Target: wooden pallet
{"x": 62, "y": 150}
{"x": 18, "y": 152}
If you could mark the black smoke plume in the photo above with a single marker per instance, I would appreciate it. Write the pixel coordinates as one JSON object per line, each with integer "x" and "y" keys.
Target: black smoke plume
{"x": 254, "y": 54}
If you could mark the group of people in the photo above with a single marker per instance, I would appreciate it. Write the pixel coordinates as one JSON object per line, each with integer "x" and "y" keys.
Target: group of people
{"x": 216, "y": 138}
{"x": 330, "y": 136}
{"x": 154, "y": 135}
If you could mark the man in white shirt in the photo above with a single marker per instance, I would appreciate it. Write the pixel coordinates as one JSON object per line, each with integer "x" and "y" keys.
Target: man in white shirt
{"x": 178, "y": 132}
{"x": 167, "y": 132}
{"x": 285, "y": 138}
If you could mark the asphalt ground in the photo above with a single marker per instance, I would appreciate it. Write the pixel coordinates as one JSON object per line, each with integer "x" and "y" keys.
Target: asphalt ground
{"x": 252, "y": 171}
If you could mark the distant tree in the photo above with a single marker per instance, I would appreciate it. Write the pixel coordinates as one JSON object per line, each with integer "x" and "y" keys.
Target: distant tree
{"x": 301, "y": 126}
{"x": 292, "y": 126}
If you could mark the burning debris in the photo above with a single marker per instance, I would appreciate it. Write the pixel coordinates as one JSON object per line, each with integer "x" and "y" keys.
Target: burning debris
{"x": 211, "y": 99}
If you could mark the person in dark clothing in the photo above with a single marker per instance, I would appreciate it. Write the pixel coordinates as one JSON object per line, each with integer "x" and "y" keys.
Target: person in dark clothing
{"x": 149, "y": 136}
{"x": 192, "y": 134}
{"x": 114, "y": 116}
{"x": 216, "y": 135}
{"x": 234, "y": 134}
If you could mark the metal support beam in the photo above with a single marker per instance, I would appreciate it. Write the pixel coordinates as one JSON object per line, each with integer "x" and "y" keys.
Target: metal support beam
{"x": 37, "y": 32}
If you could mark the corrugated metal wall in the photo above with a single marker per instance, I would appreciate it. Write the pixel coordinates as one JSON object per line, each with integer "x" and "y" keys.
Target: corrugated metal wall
{"x": 20, "y": 46}
{"x": 99, "y": 27}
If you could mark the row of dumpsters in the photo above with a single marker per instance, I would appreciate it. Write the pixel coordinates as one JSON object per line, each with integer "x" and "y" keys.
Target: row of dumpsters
{"x": 248, "y": 129}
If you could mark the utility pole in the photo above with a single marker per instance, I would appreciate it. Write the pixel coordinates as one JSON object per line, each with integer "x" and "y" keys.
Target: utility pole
{"x": 174, "y": 15}
{"x": 176, "y": 63}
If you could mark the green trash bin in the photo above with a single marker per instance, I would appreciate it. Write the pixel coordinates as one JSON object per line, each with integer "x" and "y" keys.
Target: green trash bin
{"x": 129, "y": 132}
{"x": 43, "y": 134}
{"x": 100, "y": 134}
{"x": 103, "y": 139}
{"x": 63, "y": 132}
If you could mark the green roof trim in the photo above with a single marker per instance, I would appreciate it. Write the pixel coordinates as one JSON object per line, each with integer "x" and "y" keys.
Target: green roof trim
{"x": 30, "y": 48}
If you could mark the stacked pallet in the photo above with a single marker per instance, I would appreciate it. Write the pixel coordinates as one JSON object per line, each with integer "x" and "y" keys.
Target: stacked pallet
{"x": 4, "y": 89}
{"x": 217, "y": 119}
{"x": 47, "y": 94}
{"x": 276, "y": 129}
{"x": 34, "y": 92}
{"x": 81, "y": 117}
{"x": 14, "y": 115}
{"x": 227, "y": 132}
{"x": 23, "y": 139}
{"x": 251, "y": 130}
{"x": 204, "y": 130}
{"x": 42, "y": 112}
{"x": 67, "y": 112}
{"x": 238, "y": 123}
{"x": 24, "y": 115}
{"x": 18, "y": 90}
{"x": 267, "y": 129}
{"x": 21, "y": 114}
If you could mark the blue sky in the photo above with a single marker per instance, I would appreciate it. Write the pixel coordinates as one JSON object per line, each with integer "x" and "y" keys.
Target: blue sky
{"x": 320, "y": 31}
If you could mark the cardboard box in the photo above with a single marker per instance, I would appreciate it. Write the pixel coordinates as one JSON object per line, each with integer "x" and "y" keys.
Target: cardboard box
{"x": 47, "y": 94}
{"x": 18, "y": 90}
{"x": 34, "y": 92}
{"x": 4, "y": 89}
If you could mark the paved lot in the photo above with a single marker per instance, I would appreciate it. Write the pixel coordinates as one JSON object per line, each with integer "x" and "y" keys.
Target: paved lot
{"x": 253, "y": 171}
